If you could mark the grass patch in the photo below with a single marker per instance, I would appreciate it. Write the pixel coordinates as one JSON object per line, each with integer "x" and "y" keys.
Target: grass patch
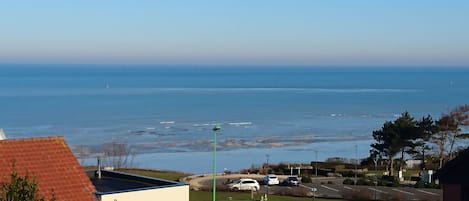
{"x": 162, "y": 174}
{"x": 246, "y": 196}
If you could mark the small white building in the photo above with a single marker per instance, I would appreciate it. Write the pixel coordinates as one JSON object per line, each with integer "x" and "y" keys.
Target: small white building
{"x": 413, "y": 163}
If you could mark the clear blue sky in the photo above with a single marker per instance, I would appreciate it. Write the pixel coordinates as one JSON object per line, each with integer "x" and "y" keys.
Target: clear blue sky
{"x": 288, "y": 32}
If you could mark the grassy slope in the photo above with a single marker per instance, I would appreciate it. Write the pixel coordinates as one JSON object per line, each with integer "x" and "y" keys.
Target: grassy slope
{"x": 245, "y": 196}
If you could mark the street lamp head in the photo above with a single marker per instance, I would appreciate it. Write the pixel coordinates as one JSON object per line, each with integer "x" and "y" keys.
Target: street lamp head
{"x": 217, "y": 128}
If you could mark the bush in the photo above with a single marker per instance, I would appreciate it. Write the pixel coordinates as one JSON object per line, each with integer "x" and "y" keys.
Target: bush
{"x": 348, "y": 182}
{"x": 22, "y": 188}
{"x": 365, "y": 182}
{"x": 420, "y": 184}
{"x": 394, "y": 184}
{"x": 423, "y": 184}
{"x": 306, "y": 179}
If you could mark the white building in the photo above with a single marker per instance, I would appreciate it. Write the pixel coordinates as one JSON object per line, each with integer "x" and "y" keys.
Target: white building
{"x": 119, "y": 186}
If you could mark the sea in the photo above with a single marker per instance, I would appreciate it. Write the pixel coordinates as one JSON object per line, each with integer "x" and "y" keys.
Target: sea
{"x": 166, "y": 114}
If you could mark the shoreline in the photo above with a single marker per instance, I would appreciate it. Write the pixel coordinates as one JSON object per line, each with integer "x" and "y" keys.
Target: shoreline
{"x": 235, "y": 160}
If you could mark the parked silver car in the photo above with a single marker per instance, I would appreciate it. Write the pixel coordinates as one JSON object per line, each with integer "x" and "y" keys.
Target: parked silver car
{"x": 271, "y": 179}
{"x": 291, "y": 181}
{"x": 244, "y": 184}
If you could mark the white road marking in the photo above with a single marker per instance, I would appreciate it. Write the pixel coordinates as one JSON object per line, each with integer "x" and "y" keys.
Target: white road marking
{"x": 401, "y": 191}
{"x": 346, "y": 187}
{"x": 332, "y": 189}
{"x": 427, "y": 192}
{"x": 377, "y": 190}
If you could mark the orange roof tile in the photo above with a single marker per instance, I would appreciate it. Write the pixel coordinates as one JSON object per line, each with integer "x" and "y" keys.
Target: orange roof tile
{"x": 51, "y": 162}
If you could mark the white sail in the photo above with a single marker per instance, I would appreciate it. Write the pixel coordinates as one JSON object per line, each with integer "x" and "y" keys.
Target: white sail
{"x": 2, "y": 134}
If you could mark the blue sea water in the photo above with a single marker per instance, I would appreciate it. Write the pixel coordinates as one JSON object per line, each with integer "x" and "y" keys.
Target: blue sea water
{"x": 167, "y": 113}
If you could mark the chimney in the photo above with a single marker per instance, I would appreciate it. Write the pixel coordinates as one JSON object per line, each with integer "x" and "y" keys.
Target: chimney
{"x": 98, "y": 172}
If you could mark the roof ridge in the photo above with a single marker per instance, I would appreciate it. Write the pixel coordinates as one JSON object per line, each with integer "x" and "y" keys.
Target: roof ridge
{"x": 35, "y": 138}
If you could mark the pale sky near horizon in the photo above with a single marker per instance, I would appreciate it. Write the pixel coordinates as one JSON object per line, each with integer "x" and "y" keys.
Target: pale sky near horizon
{"x": 236, "y": 32}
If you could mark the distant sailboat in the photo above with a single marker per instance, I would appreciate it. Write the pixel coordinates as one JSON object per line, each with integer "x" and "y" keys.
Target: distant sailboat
{"x": 2, "y": 135}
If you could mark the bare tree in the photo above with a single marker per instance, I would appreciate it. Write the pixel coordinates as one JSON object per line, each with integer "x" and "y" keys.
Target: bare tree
{"x": 461, "y": 118}
{"x": 444, "y": 126}
{"x": 118, "y": 154}
{"x": 448, "y": 130}
{"x": 82, "y": 152}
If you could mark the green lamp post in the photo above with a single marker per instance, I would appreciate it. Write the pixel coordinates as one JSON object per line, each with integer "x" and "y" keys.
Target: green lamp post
{"x": 216, "y": 129}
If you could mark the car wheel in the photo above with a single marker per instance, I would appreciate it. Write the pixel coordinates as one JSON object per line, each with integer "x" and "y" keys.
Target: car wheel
{"x": 236, "y": 189}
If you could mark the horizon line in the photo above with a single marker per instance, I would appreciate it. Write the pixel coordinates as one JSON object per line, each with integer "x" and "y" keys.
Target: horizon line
{"x": 208, "y": 65}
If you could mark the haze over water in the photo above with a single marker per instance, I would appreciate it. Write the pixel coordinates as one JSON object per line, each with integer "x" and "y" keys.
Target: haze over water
{"x": 167, "y": 113}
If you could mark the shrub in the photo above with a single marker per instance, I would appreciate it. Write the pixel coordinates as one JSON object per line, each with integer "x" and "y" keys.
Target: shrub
{"x": 422, "y": 184}
{"x": 365, "y": 182}
{"x": 348, "y": 182}
{"x": 22, "y": 188}
{"x": 306, "y": 179}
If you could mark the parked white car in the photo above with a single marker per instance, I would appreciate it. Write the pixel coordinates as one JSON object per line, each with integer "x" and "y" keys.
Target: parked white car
{"x": 244, "y": 184}
{"x": 271, "y": 179}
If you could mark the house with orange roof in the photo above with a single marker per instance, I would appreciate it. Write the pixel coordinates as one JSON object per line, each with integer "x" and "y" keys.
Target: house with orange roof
{"x": 57, "y": 171}
{"x": 51, "y": 162}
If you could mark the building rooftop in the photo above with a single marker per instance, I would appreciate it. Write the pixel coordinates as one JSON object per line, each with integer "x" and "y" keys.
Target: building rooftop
{"x": 51, "y": 162}
{"x": 116, "y": 182}
{"x": 456, "y": 171}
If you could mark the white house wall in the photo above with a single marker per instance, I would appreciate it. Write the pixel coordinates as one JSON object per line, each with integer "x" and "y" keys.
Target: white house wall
{"x": 177, "y": 193}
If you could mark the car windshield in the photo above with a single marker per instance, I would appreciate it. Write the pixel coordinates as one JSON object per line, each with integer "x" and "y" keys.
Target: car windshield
{"x": 293, "y": 178}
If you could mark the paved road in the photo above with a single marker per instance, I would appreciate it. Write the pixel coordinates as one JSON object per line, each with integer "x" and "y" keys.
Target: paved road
{"x": 378, "y": 192}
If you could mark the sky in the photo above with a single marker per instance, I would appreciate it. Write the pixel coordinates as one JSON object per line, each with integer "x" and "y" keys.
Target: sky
{"x": 236, "y": 32}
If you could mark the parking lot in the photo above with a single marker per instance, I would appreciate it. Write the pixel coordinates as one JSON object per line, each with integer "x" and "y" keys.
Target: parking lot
{"x": 327, "y": 187}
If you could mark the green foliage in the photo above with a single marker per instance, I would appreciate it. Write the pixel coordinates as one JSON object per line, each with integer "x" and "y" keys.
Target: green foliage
{"x": 389, "y": 183}
{"x": 21, "y": 189}
{"x": 348, "y": 181}
{"x": 306, "y": 179}
{"x": 403, "y": 135}
{"x": 423, "y": 184}
{"x": 365, "y": 182}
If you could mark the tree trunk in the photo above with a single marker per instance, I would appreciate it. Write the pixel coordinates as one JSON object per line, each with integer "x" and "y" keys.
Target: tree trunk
{"x": 441, "y": 144}
{"x": 452, "y": 144}
{"x": 401, "y": 160}
{"x": 391, "y": 170}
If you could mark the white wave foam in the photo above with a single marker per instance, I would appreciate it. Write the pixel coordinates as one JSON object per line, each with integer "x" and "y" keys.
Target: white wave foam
{"x": 206, "y": 124}
{"x": 240, "y": 123}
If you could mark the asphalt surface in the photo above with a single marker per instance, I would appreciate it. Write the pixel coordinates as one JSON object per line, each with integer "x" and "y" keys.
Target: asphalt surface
{"x": 330, "y": 187}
